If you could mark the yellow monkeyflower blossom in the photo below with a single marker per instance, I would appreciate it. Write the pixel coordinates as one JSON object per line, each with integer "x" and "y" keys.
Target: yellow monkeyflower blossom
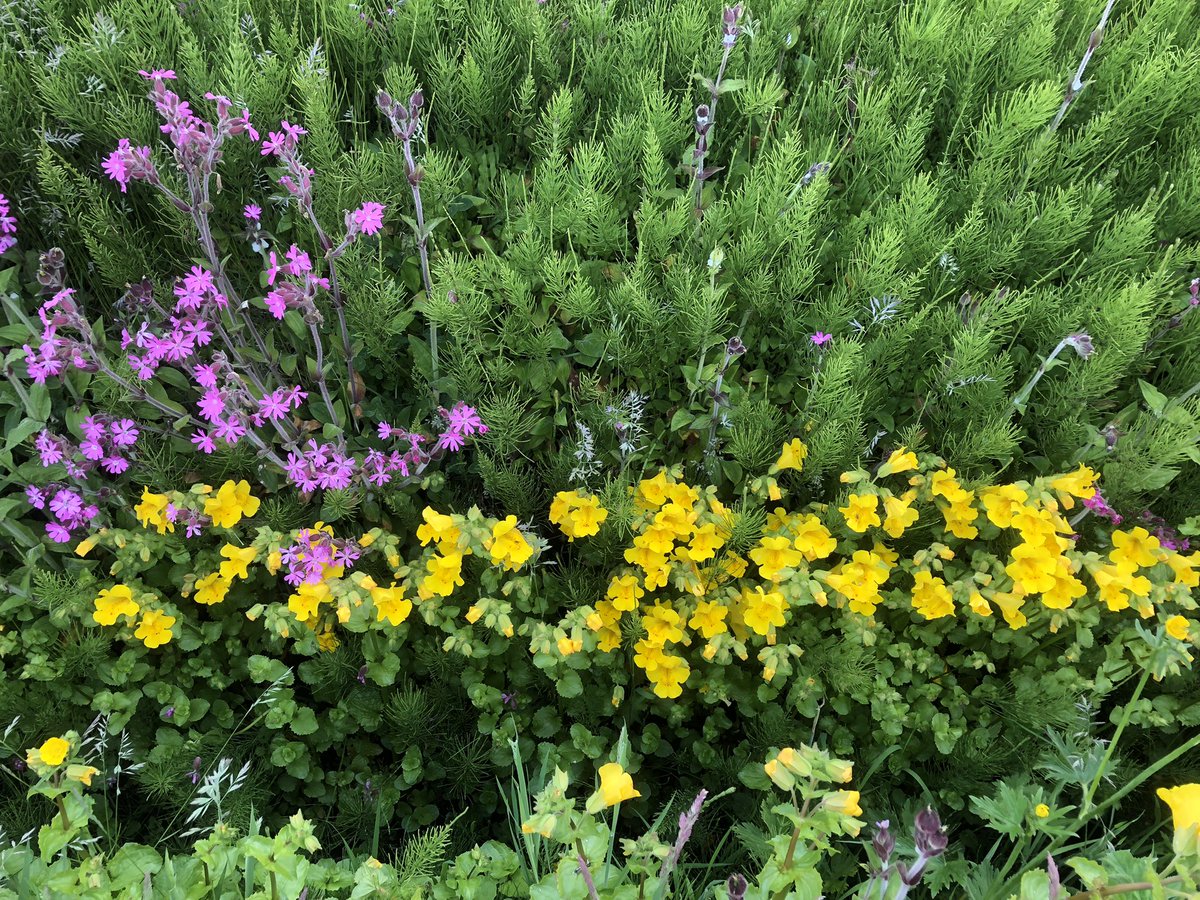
{"x": 959, "y": 515}
{"x": 1178, "y": 627}
{"x": 663, "y": 625}
{"x": 1186, "y": 568}
{"x": 860, "y": 512}
{"x": 1184, "y": 802}
{"x": 155, "y": 628}
{"x": 1080, "y": 483}
{"x": 1002, "y": 502}
{"x": 902, "y": 460}
{"x": 669, "y": 676}
{"x": 709, "y": 619}
{"x": 237, "y": 561}
{"x": 52, "y": 753}
{"x": 616, "y": 786}
{"x": 813, "y": 539}
{"x": 792, "y": 456}
{"x": 438, "y": 527}
{"x": 763, "y": 611}
{"x": 898, "y": 515}
{"x": 930, "y": 596}
{"x": 390, "y": 605}
{"x": 705, "y": 543}
{"x": 773, "y": 555}
{"x": 307, "y": 599}
{"x": 577, "y": 515}
{"x": 153, "y": 511}
{"x": 445, "y": 572}
{"x": 508, "y": 546}
{"x": 843, "y": 802}
{"x": 652, "y": 492}
{"x": 114, "y": 602}
{"x": 82, "y": 774}
{"x": 1041, "y": 810}
{"x": 624, "y": 592}
{"x": 231, "y": 504}
{"x": 1134, "y": 549}
{"x": 979, "y": 605}
{"x": 567, "y": 646}
{"x": 212, "y": 588}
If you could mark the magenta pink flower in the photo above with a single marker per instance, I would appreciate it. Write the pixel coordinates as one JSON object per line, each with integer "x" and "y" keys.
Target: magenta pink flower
{"x": 204, "y": 443}
{"x": 369, "y": 217}
{"x": 157, "y": 74}
{"x": 821, "y": 338}
{"x": 8, "y": 225}
{"x": 253, "y": 212}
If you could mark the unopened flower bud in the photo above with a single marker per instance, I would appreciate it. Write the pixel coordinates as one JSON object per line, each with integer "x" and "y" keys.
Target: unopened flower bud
{"x": 736, "y": 885}
{"x": 417, "y": 100}
{"x": 735, "y": 347}
{"x": 884, "y": 841}
{"x": 384, "y": 101}
{"x": 929, "y": 835}
{"x": 1082, "y": 343}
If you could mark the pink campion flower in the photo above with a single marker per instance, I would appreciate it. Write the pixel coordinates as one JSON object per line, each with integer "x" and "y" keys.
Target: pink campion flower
{"x": 465, "y": 420}
{"x": 273, "y": 405}
{"x": 58, "y": 533}
{"x": 115, "y": 168}
{"x": 821, "y": 338}
{"x": 35, "y": 496}
{"x": 49, "y": 448}
{"x": 157, "y": 74}
{"x": 92, "y": 428}
{"x": 230, "y": 430}
{"x": 92, "y": 450}
{"x": 369, "y": 217}
{"x": 253, "y": 212}
{"x": 272, "y": 268}
{"x": 385, "y": 431}
{"x": 205, "y": 375}
{"x": 450, "y": 440}
{"x": 115, "y": 465}
{"x": 124, "y": 433}
{"x": 276, "y": 303}
{"x": 8, "y": 225}
{"x": 204, "y": 443}
{"x": 66, "y": 505}
{"x": 212, "y": 405}
{"x": 128, "y": 163}
{"x": 300, "y": 262}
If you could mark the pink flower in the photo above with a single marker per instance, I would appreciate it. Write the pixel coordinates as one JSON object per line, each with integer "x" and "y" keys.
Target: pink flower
{"x": 115, "y": 465}
{"x": 8, "y": 225}
{"x": 57, "y": 533}
{"x": 35, "y": 496}
{"x": 369, "y": 217}
{"x": 115, "y": 168}
{"x": 821, "y": 338}
{"x": 276, "y": 302}
{"x": 206, "y": 376}
{"x": 212, "y": 405}
{"x": 203, "y": 442}
{"x": 230, "y": 430}
{"x": 157, "y": 74}
{"x": 253, "y": 212}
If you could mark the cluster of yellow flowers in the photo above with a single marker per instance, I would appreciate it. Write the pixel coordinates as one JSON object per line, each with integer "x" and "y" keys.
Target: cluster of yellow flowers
{"x": 48, "y": 759}
{"x": 682, "y": 576}
{"x": 808, "y": 768}
{"x": 116, "y": 602}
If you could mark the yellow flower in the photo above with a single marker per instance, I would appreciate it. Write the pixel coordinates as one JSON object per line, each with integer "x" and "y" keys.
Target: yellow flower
{"x": 616, "y": 786}
{"x": 813, "y": 539}
{"x": 51, "y": 753}
{"x": 232, "y": 503}
{"x": 1184, "y": 802}
{"x": 1080, "y": 483}
{"x": 508, "y": 546}
{"x": 1186, "y": 568}
{"x": 1001, "y": 503}
{"x": 709, "y": 619}
{"x": 85, "y": 546}
{"x": 902, "y": 460}
{"x": 793, "y": 455}
{"x": 959, "y": 515}
{"x": 930, "y": 596}
{"x": 652, "y": 492}
{"x": 438, "y": 528}
{"x": 860, "y": 512}
{"x": 1041, "y": 810}
{"x": 898, "y": 516}
{"x": 237, "y": 560}
{"x": 445, "y": 572}
{"x": 944, "y": 484}
{"x": 1134, "y": 549}
{"x": 327, "y": 641}
{"x": 843, "y": 802}
{"x": 114, "y": 602}
{"x": 705, "y": 543}
{"x": 212, "y": 588}
{"x": 624, "y": 592}
{"x": 773, "y": 555}
{"x": 763, "y": 611}
{"x": 567, "y": 646}
{"x": 473, "y": 614}
{"x": 662, "y": 625}
{"x": 153, "y": 511}
{"x": 979, "y": 605}
{"x": 390, "y": 605}
{"x": 577, "y": 515}
{"x": 274, "y": 561}
{"x": 82, "y": 774}
{"x": 307, "y": 599}
{"x": 155, "y": 628}
{"x": 1178, "y": 627}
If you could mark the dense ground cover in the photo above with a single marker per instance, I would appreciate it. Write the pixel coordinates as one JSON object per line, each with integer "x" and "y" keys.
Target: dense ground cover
{"x": 418, "y": 414}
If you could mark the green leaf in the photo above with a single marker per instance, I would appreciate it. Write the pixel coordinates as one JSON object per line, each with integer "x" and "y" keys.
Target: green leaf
{"x": 569, "y": 684}
{"x": 1155, "y": 399}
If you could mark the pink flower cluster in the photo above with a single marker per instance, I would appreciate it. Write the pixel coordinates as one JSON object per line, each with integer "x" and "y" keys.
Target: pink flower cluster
{"x": 197, "y": 302}
{"x": 59, "y": 314}
{"x": 106, "y": 441}
{"x": 227, "y": 407}
{"x": 67, "y": 507}
{"x": 8, "y": 225}
{"x": 197, "y": 143}
{"x": 314, "y": 552}
{"x": 284, "y": 145}
{"x": 1098, "y": 505}
{"x": 300, "y": 291}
